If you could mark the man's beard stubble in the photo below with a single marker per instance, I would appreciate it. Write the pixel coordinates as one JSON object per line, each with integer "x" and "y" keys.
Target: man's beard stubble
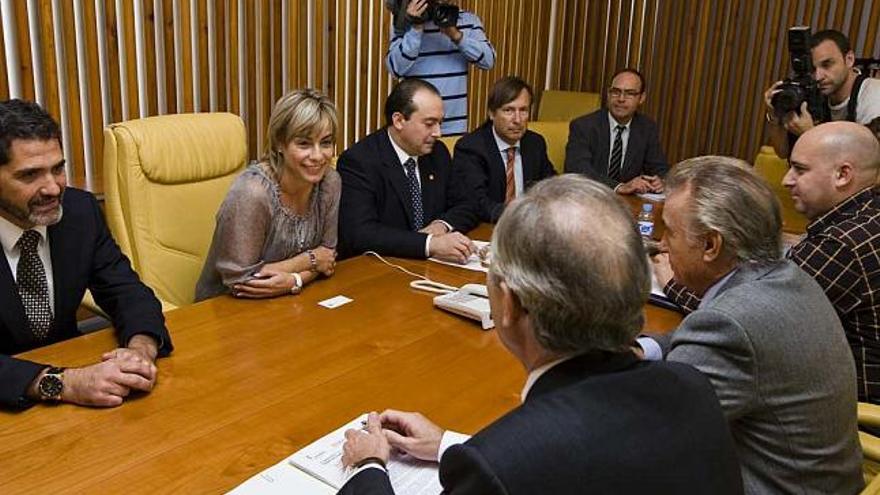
{"x": 32, "y": 218}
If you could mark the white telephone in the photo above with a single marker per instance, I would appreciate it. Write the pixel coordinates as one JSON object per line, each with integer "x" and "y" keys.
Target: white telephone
{"x": 471, "y": 301}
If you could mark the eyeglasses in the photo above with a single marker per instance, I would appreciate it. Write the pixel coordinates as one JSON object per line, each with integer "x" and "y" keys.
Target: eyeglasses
{"x": 626, "y": 94}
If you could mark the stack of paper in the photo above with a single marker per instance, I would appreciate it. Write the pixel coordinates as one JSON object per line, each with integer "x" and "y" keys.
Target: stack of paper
{"x": 317, "y": 468}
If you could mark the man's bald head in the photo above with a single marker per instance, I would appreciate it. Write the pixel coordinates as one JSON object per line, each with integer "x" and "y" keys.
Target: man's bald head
{"x": 830, "y": 163}
{"x": 848, "y": 142}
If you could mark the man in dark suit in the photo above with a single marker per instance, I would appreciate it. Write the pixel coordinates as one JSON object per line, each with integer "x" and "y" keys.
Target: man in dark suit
{"x": 502, "y": 158}
{"x": 617, "y": 145}
{"x": 593, "y": 419}
{"x": 56, "y": 245}
{"x": 399, "y": 196}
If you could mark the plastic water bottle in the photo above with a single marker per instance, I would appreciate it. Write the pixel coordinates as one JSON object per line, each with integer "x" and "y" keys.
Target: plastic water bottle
{"x": 646, "y": 221}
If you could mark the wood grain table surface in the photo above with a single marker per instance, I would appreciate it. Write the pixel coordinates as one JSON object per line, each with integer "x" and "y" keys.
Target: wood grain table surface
{"x": 252, "y": 381}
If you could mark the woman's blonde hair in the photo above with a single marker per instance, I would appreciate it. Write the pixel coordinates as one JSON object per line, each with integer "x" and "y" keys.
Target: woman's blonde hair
{"x": 300, "y": 113}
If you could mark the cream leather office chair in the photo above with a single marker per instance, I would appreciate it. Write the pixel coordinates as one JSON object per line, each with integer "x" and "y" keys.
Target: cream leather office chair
{"x": 772, "y": 168}
{"x": 556, "y": 135}
{"x": 869, "y": 415}
{"x": 164, "y": 180}
{"x": 567, "y": 105}
{"x": 450, "y": 141}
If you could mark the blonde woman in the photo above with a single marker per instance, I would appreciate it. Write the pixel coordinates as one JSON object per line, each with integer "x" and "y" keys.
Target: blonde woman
{"x": 276, "y": 229}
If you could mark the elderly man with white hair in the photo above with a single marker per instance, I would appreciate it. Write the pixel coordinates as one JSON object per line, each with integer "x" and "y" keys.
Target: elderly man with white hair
{"x": 764, "y": 333}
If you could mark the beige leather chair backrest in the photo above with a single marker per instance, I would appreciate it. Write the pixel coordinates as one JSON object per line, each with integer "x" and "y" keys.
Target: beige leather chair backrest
{"x": 772, "y": 168}
{"x": 556, "y": 135}
{"x": 450, "y": 142}
{"x": 567, "y": 105}
{"x": 164, "y": 179}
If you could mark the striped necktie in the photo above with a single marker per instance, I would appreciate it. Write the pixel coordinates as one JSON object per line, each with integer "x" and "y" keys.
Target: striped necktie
{"x": 511, "y": 183}
{"x": 616, "y": 154}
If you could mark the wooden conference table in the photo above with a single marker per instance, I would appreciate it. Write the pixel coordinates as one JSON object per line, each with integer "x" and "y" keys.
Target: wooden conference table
{"x": 250, "y": 382}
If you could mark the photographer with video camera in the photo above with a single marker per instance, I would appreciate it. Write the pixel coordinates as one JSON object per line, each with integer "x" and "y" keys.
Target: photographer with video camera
{"x": 824, "y": 87}
{"x": 436, "y": 41}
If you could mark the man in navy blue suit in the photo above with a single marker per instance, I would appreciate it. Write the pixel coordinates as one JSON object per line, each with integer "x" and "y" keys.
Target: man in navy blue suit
{"x": 502, "y": 158}
{"x": 56, "y": 245}
{"x": 399, "y": 196}
{"x": 594, "y": 419}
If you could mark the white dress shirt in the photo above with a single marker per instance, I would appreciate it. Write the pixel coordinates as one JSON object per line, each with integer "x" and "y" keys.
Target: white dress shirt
{"x": 9, "y": 235}
{"x": 517, "y": 161}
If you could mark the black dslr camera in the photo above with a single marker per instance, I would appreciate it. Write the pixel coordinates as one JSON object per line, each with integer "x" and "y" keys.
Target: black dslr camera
{"x": 443, "y": 14}
{"x": 801, "y": 86}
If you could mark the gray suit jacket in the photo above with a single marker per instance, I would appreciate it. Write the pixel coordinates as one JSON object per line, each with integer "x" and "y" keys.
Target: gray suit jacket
{"x": 774, "y": 349}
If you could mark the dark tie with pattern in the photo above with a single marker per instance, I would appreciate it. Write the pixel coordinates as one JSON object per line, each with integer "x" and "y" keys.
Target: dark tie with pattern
{"x": 32, "y": 285}
{"x": 616, "y": 154}
{"x": 415, "y": 193}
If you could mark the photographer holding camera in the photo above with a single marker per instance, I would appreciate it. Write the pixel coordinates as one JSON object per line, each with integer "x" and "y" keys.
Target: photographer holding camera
{"x": 435, "y": 41}
{"x": 848, "y": 94}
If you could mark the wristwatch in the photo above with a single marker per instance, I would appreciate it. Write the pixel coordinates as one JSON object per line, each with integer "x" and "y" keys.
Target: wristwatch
{"x": 297, "y": 283}
{"x": 51, "y": 384}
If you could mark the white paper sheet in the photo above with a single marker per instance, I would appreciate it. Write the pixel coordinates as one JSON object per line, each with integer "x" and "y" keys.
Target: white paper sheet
{"x": 282, "y": 479}
{"x": 658, "y": 197}
{"x": 473, "y": 262}
{"x": 323, "y": 460}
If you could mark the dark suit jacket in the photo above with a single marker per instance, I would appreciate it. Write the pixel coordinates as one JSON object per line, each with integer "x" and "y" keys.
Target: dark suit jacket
{"x": 479, "y": 164}
{"x": 589, "y": 148}
{"x": 375, "y": 212}
{"x": 84, "y": 255}
{"x": 598, "y": 423}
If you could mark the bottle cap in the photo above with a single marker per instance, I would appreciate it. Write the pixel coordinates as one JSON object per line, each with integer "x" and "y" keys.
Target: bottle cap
{"x": 647, "y": 207}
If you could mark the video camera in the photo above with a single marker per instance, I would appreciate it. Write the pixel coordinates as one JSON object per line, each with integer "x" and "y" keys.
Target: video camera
{"x": 801, "y": 86}
{"x": 442, "y": 14}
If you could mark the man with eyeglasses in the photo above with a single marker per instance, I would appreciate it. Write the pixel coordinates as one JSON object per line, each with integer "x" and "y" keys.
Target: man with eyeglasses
{"x": 616, "y": 145}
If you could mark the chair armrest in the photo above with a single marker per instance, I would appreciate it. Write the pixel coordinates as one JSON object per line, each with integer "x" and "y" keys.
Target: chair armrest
{"x": 89, "y": 302}
{"x": 873, "y": 487}
{"x": 869, "y": 414}
{"x": 870, "y": 446}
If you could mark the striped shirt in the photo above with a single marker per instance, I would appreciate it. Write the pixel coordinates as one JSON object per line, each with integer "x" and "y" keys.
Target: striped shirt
{"x": 841, "y": 251}
{"x": 431, "y": 55}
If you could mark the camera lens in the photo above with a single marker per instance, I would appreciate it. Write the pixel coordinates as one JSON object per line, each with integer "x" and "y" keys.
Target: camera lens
{"x": 788, "y": 98}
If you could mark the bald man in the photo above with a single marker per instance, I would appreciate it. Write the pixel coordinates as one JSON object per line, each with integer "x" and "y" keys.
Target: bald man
{"x": 832, "y": 179}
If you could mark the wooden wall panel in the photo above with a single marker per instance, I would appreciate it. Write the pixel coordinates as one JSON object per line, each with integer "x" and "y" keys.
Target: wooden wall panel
{"x": 707, "y": 63}
{"x": 24, "y": 51}
{"x": 4, "y": 69}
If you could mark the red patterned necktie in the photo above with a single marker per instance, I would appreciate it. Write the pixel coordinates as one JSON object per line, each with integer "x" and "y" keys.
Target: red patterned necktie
{"x": 511, "y": 183}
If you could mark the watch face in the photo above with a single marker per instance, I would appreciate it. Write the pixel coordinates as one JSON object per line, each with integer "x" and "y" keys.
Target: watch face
{"x": 50, "y": 386}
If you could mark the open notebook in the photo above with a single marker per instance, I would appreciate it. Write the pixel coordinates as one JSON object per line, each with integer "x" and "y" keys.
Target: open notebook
{"x": 321, "y": 461}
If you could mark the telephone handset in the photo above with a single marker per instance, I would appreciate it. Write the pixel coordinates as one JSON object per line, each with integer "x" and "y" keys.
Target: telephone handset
{"x": 471, "y": 301}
